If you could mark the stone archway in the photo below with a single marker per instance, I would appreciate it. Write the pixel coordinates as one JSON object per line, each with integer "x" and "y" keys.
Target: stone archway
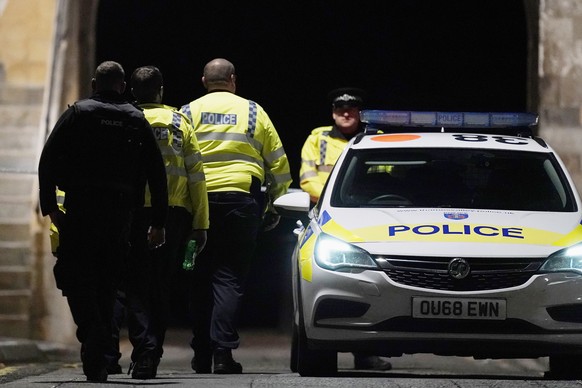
{"x": 554, "y": 89}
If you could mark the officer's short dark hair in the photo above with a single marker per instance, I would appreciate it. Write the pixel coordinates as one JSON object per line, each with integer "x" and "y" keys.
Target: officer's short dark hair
{"x": 109, "y": 74}
{"x": 348, "y": 96}
{"x": 146, "y": 82}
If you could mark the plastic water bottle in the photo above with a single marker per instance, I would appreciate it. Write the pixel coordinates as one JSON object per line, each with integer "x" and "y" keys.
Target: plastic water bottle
{"x": 189, "y": 256}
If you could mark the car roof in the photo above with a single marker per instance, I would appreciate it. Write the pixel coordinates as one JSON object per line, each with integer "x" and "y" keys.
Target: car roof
{"x": 448, "y": 140}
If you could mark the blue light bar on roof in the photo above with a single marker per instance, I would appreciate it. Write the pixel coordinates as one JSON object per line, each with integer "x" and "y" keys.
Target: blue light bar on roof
{"x": 448, "y": 119}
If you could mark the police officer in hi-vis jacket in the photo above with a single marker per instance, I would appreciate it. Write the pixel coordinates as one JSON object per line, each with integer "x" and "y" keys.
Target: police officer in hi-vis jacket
{"x": 319, "y": 154}
{"x": 242, "y": 152}
{"x": 152, "y": 277}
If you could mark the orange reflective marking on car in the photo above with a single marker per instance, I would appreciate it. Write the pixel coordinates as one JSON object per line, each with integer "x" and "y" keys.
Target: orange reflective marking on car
{"x": 395, "y": 138}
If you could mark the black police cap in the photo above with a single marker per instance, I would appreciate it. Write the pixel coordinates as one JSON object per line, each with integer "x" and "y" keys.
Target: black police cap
{"x": 347, "y": 97}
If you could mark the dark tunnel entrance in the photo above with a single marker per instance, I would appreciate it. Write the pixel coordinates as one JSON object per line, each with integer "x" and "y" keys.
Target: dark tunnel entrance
{"x": 407, "y": 54}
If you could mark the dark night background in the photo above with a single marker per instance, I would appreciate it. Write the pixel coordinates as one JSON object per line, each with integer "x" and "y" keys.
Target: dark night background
{"x": 447, "y": 55}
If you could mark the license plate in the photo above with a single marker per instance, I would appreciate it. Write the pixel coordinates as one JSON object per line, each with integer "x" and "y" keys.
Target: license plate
{"x": 459, "y": 308}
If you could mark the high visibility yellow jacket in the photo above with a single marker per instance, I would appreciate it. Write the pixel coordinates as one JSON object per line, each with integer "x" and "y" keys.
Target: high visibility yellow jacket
{"x": 184, "y": 167}
{"x": 54, "y": 232}
{"x": 319, "y": 153}
{"x": 238, "y": 141}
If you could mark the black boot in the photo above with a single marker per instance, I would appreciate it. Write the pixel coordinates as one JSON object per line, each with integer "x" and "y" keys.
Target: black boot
{"x": 201, "y": 363}
{"x": 93, "y": 366}
{"x": 96, "y": 376}
{"x": 371, "y": 362}
{"x": 224, "y": 363}
{"x": 114, "y": 369}
{"x": 145, "y": 368}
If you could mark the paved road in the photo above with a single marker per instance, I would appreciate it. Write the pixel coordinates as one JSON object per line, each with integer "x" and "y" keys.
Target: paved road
{"x": 265, "y": 358}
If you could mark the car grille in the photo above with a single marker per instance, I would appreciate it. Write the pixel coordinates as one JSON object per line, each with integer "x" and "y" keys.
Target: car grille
{"x": 432, "y": 272}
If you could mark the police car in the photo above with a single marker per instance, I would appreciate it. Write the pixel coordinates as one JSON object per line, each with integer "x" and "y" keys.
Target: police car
{"x": 446, "y": 233}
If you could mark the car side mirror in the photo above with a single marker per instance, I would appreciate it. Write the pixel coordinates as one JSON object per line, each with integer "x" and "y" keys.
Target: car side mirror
{"x": 294, "y": 205}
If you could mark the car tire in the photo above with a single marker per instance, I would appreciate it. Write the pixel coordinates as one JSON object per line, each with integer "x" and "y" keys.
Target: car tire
{"x": 294, "y": 346}
{"x": 314, "y": 363}
{"x": 311, "y": 362}
{"x": 565, "y": 367}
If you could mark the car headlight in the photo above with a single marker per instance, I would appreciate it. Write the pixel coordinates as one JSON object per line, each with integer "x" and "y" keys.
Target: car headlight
{"x": 568, "y": 259}
{"x": 332, "y": 253}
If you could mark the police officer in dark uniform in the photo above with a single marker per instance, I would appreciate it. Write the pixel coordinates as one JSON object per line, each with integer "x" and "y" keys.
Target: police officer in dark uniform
{"x": 101, "y": 152}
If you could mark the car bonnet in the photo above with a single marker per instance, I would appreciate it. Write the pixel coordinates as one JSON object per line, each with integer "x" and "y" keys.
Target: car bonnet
{"x": 441, "y": 231}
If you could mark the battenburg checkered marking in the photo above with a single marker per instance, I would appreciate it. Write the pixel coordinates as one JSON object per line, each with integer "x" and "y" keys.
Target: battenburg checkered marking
{"x": 252, "y": 118}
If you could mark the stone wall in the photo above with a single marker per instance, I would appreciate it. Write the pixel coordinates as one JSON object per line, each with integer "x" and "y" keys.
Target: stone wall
{"x": 26, "y": 30}
{"x": 30, "y": 304}
{"x": 560, "y": 80}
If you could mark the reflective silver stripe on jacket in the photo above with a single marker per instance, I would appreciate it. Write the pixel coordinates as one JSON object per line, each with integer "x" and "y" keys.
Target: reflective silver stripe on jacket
{"x": 308, "y": 174}
{"x": 325, "y": 168}
{"x": 60, "y": 199}
{"x": 197, "y": 177}
{"x": 230, "y": 157}
{"x": 271, "y": 157}
{"x": 175, "y": 171}
{"x": 225, "y": 136}
{"x": 179, "y": 171}
{"x": 193, "y": 159}
{"x": 282, "y": 178}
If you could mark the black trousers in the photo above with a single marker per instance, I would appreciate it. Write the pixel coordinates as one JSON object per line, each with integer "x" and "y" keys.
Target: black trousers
{"x": 169, "y": 277}
{"x": 151, "y": 279}
{"x": 220, "y": 271}
{"x": 93, "y": 244}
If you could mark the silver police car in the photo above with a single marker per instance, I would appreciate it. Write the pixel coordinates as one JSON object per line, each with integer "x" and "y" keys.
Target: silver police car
{"x": 446, "y": 233}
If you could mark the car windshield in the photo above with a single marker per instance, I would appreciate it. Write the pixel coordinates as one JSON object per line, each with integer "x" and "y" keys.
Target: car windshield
{"x": 452, "y": 177}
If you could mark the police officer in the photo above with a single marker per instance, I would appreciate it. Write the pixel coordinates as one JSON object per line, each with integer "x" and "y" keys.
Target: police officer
{"x": 320, "y": 152}
{"x": 153, "y": 275}
{"x": 325, "y": 144}
{"x": 100, "y": 153}
{"x": 241, "y": 151}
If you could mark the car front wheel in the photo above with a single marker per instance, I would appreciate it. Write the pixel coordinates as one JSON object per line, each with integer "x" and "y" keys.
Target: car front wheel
{"x": 294, "y": 346}
{"x": 311, "y": 362}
